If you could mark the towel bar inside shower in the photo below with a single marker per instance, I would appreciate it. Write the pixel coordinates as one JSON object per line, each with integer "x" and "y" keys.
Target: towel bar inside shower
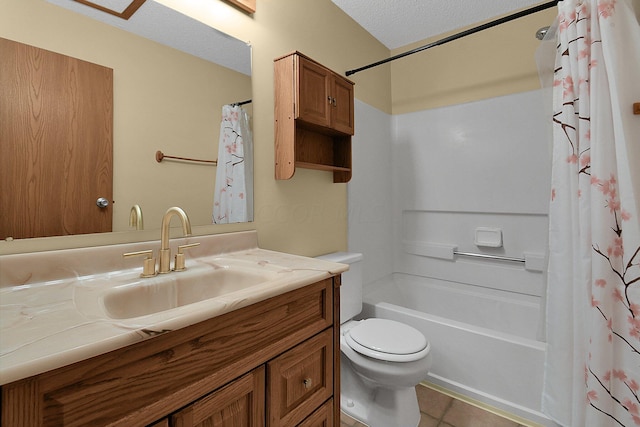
{"x": 488, "y": 256}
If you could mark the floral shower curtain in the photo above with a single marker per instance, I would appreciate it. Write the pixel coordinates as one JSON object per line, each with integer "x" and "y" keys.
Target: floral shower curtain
{"x": 233, "y": 196}
{"x": 592, "y": 367}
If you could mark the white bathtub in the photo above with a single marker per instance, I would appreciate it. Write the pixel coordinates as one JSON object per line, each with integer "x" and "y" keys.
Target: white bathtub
{"x": 484, "y": 341}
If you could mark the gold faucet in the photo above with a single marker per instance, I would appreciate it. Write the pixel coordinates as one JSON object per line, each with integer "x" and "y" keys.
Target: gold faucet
{"x": 135, "y": 217}
{"x": 165, "y": 251}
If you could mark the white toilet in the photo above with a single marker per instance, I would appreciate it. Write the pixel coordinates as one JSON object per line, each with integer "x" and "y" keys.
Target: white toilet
{"x": 381, "y": 360}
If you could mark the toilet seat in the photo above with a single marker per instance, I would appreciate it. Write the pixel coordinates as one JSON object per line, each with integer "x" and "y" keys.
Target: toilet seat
{"x": 387, "y": 340}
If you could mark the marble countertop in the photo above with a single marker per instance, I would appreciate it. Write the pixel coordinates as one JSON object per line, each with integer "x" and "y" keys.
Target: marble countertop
{"x": 52, "y": 310}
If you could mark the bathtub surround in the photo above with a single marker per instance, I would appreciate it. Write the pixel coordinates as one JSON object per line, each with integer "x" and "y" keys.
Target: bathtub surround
{"x": 446, "y": 180}
{"x": 592, "y": 365}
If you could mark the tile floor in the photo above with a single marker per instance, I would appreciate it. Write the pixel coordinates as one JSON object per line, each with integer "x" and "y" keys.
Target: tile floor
{"x": 440, "y": 410}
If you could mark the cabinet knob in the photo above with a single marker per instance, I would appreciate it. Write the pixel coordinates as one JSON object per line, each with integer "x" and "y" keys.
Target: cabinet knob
{"x": 307, "y": 383}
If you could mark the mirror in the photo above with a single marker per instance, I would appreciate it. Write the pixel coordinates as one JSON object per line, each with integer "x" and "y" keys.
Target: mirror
{"x": 171, "y": 77}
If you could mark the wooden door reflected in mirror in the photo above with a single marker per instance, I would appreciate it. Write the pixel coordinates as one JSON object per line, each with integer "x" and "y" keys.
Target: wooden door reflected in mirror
{"x": 56, "y": 134}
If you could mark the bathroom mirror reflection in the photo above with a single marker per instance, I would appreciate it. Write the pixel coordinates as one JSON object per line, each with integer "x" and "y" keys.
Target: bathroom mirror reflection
{"x": 172, "y": 75}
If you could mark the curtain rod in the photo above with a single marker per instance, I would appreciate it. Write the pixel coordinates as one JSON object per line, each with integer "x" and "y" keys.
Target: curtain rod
{"x": 465, "y": 33}
{"x": 237, "y": 104}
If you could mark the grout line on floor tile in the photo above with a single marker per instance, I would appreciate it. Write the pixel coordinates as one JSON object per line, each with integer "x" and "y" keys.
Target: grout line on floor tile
{"x": 449, "y": 405}
{"x": 500, "y": 412}
{"x": 441, "y": 417}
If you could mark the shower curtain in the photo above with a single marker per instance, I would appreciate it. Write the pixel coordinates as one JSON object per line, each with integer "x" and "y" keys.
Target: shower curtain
{"x": 592, "y": 367}
{"x": 233, "y": 194}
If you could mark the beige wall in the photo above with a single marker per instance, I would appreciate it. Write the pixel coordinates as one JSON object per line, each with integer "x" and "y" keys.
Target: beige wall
{"x": 305, "y": 215}
{"x": 494, "y": 62}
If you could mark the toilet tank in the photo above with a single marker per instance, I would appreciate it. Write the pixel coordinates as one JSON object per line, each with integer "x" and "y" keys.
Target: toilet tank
{"x": 351, "y": 288}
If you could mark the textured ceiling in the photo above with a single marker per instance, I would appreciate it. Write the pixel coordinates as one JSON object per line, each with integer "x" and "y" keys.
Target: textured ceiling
{"x": 397, "y": 23}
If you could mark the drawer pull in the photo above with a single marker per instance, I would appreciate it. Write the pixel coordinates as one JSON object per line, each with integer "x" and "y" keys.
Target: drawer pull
{"x": 307, "y": 383}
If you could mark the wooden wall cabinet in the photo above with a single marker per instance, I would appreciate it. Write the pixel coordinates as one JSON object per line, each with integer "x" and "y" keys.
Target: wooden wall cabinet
{"x": 314, "y": 118}
{"x": 275, "y": 363}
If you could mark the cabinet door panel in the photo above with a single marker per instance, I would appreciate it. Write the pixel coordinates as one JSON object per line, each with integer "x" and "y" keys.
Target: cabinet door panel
{"x": 323, "y": 417}
{"x": 239, "y": 404}
{"x": 313, "y": 105}
{"x": 343, "y": 107}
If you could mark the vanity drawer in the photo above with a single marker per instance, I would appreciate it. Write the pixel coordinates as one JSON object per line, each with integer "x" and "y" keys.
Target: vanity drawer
{"x": 300, "y": 380}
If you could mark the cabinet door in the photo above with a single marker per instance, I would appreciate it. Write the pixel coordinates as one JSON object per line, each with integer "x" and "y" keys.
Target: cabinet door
{"x": 323, "y": 417}
{"x": 238, "y": 404}
{"x": 300, "y": 380}
{"x": 313, "y": 100}
{"x": 342, "y": 92}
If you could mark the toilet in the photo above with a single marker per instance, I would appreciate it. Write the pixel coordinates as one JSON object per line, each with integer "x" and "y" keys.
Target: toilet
{"x": 381, "y": 360}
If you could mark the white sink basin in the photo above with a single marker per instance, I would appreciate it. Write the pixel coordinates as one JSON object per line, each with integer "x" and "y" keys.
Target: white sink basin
{"x": 147, "y": 296}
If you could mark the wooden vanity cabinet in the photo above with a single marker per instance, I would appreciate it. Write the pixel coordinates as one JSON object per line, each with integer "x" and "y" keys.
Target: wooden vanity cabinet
{"x": 314, "y": 118}
{"x": 274, "y": 364}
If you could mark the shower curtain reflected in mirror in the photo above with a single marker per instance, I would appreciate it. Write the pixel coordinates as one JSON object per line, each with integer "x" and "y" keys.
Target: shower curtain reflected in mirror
{"x": 592, "y": 369}
{"x": 233, "y": 197}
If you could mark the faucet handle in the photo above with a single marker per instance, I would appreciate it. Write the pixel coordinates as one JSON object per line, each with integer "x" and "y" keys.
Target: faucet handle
{"x": 149, "y": 263}
{"x": 179, "y": 258}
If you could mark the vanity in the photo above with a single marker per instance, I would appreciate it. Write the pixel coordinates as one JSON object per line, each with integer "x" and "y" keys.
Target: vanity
{"x": 86, "y": 341}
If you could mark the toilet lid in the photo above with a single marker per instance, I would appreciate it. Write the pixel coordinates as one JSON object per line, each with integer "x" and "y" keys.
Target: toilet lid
{"x": 389, "y": 340}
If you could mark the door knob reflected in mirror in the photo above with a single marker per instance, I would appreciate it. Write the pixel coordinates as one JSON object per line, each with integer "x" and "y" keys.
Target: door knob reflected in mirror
{"x": 102, "y": 202}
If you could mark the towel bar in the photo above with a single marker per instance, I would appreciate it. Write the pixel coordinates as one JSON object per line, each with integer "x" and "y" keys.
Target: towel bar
{"x": 160, "y": 156}
{"x": 497, "y": 257}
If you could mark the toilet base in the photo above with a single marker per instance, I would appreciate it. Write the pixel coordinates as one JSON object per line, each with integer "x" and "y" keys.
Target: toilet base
{"x": 390, "y": 408}
{"x": 375, "y": 406}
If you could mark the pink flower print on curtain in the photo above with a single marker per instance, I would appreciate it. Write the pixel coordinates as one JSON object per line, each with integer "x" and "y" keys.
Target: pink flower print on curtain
{"x": 592, "y": 367}
{"x": 233, "y": 195}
